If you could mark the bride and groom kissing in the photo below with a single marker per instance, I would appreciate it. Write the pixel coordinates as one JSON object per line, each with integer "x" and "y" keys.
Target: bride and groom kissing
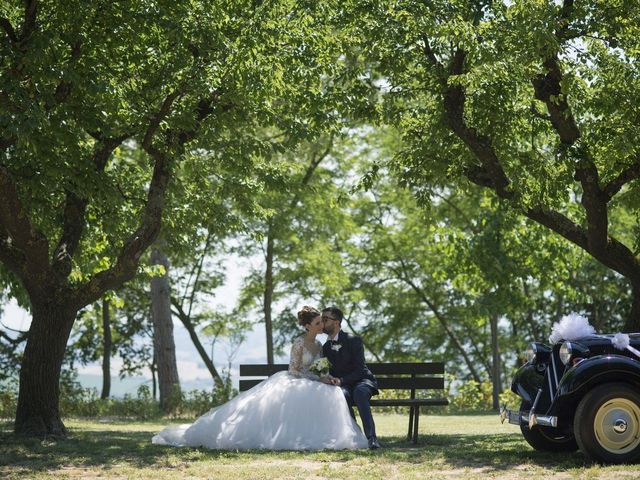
{"x": 288, "y": 410}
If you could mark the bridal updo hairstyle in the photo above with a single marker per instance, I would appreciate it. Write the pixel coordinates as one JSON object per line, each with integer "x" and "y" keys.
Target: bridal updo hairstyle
{"x": 307, "y": 314}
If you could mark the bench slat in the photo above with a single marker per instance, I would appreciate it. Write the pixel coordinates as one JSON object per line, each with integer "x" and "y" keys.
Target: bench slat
{"x": 429, "y": 383}
{"x": 406, "y": 368}
{"x": 245, "y": 385}
{"x": 262, "y": 370}
{"x": 436, "y": 368}
{"x": 409, "y": 402}
{"x": 425, "y": 383}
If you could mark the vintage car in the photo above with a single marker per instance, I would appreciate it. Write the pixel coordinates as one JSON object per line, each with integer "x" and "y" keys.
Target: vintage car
{"x": 582, "y": 394}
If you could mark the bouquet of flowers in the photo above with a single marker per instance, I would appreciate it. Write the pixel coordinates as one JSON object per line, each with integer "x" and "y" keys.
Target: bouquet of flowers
{"x": 320, "y": 367}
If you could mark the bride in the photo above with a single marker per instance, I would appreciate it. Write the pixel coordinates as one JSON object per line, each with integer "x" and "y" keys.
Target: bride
{"x": 290, "y": 410}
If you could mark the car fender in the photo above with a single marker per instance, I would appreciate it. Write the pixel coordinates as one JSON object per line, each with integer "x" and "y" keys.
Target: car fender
{"x": 597, "y": 370}
{"x": 526, "y": 382}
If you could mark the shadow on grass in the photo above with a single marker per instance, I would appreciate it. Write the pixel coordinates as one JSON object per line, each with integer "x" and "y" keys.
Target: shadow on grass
{"x": 490, "y": 452}
{"x": 112, "y": 449}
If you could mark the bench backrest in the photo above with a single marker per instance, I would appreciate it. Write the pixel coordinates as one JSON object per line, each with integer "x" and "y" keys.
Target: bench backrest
{"x": 397, "y": 376}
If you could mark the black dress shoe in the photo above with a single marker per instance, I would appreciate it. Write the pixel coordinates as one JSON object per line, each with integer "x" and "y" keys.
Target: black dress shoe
{"x": 373, "y": 443}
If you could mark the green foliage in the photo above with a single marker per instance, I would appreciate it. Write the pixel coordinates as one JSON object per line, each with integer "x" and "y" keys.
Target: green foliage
{"x": 89, "y": 76}
{"x": 8, "y": 403}
{"x": 85, "y": 402}
{"x": 77, "y": 401}
{"x": 457, "y": 80}
{"x": 471, "y": 396}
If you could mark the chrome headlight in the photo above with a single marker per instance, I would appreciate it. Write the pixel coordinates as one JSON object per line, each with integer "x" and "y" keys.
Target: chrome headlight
{"x": 566, "y": 350}
{"x": 537, "y": 353}
{"x": 572, "y": 352}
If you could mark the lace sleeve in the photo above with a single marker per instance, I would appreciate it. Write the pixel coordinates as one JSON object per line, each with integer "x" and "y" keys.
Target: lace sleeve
{"x": 296, "y": 362}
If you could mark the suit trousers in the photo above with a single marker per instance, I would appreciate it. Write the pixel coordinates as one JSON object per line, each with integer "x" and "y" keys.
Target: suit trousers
{"x": 360, "y": 396}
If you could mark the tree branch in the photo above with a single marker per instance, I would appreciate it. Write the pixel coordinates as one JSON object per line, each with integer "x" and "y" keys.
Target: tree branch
{"x": 479, "y": 144}
{"x": 548, "y": 88}
{"x": 11, "y": 256}
{"x": 74, "y": 213}
{"x": 435, "y": 63}
{"x": 21, "y": 236}
{"x": 30, "y": 15}
{"x": 565, "y": 32}
{"x": 404, "y": 276}
{"x": 315, "y": 162}
{"x": 347, "y": 320}
{"x": 128, "y": 259}
{"x": 22, "y": 333}
{"x": 63, "y": 89}
{"x": 490, "y": 173}
{"x": 188, "y": 324}
{"x": 126, "y": 264}
{"x": 615, "y": 255}
{"x": 197, "y": 271}
{"x": 594, "y": 202}
{"x": 162, "y": 113}
{"x": 627, "y": 175}
{"x": 8, "y": 28}
{"x": 534, "y": 111}
{"x": 308, "y": 174}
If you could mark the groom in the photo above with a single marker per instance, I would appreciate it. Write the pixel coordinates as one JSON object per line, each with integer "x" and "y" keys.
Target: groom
{"x": 349, "y": 372}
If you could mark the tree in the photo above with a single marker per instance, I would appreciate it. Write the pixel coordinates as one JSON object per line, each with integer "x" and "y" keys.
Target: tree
{"x": 100, "y": 102}
{"x": 534, "y": 101}
{"x": 163, "y": 344}
{"x": 458, "y": 275}
{"x": 106, "y": 349}
{"x": 198, "y": 279}
{"x": 299, "y": 239}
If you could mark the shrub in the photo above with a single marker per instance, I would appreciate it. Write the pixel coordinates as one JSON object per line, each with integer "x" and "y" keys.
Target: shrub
{"x": 8, "y": 403}
{"x": 471, "y": 396}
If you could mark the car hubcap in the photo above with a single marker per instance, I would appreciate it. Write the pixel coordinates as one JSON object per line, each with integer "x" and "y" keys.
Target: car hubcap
{"x": 620, "y": 426}
{"x": 617, "y": 425}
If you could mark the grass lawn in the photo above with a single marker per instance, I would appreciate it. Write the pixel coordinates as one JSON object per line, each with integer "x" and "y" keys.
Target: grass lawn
{"x": 450, "y": 447}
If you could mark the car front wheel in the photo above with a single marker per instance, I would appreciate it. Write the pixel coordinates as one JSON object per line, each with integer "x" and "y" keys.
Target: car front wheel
{"x": 607, "y": 424}
{"x": 547, "y": 439}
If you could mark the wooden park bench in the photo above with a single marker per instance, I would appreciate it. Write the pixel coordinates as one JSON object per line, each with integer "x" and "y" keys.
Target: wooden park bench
{"x": 391, "y": 376}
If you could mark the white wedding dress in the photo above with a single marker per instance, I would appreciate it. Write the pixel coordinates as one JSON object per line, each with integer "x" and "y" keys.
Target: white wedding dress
{"x": 290, "y": 410}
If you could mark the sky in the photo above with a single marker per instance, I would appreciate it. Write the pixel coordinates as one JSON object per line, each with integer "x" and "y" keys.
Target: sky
{"x": 191, "y": 370}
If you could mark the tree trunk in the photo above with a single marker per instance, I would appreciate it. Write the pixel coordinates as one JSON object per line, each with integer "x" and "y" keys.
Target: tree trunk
{"x": 495, "y": 364}
{"x": 164, "y": 346}
{"x": 38, "y": 412}
{"x": 154, "y": 382}
{"x": 632, "y": 323}
{"x": 186, "y": 321}
{"x": 106, "y": 354}
{"x": 268, "y": 296}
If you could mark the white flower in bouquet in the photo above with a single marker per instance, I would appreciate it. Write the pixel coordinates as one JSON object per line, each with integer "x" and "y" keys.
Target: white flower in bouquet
{"x": 320, "y": 366}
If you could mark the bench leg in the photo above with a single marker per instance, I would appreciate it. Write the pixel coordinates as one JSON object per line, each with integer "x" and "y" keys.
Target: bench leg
{"x": 410, "y": 434}
{"x": 415, "y": 424}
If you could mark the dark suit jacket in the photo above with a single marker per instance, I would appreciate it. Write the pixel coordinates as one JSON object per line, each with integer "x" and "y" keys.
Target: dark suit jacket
{"x": 347, "y": 362}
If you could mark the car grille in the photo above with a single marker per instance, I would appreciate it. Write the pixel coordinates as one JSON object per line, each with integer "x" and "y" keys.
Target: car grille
{"x": 552, "y": 375}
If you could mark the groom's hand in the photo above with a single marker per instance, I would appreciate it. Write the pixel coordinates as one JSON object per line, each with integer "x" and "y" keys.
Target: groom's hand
{"x": 336, "y": 381}
{"x": 327, "y": 379}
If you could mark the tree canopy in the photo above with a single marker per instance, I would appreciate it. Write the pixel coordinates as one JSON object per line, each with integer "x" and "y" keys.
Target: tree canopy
{"x": 535, "y": 101}
{"x": 101, "y": 102}
{"x": 494, "y": 144}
